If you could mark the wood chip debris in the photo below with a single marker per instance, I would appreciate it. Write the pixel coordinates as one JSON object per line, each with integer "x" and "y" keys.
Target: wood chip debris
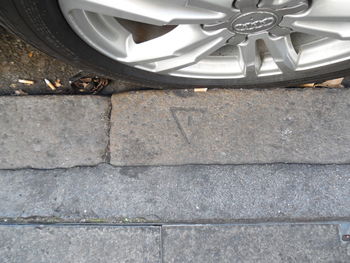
{"x": 200, "y": 89}
{"x": 334, "y": 83}
{"x": 49, "y": 84}
{"x": 26, "y": 82}
{"x": 20, "y": 93}
{"x": 58, "y": 83}
{"x": 308, "y": 85}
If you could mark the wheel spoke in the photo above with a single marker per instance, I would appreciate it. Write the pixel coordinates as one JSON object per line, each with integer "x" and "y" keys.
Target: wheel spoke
{"x": 285, "y": 7}
{"x": 324, "y": 18}
{"x": 249, "y": 58}
{"x": 277, "y": 4}
{"x": 267, "y": 3}
{"x": 247, "y": 5}
{"x": 224, "y": 6}
{"x": 172, "y": 51}
{"x": 156, "y": 12}
{"x": 282, "y": 52}
{"x": 280, "y": 48}
{"x": 191, "y": 56}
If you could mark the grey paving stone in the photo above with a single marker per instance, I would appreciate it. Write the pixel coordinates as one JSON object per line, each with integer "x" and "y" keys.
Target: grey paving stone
{"x": 231, "y": 127}
{"x": 179, "y": 194}
{"x": 50, "y": 132}
{"x": 259, "y": 243}
{"x": 53, "y": 244}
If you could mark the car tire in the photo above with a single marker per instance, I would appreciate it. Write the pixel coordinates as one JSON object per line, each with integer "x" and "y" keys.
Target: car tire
{"x": 42, "y": 23}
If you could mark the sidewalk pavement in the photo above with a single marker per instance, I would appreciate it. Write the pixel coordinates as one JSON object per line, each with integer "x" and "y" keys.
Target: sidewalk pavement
{"x": 177, "y": 176}
{"x": 177, "y": 128}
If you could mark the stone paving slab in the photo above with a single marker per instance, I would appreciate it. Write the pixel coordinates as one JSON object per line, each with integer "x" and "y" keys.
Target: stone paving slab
{"x": 51, "y": 132}
{"x": 259, "y": 243}
{"x": 194, "y": 194}
{"x": 231, "y": 127}
{"x": 53, "y": 244}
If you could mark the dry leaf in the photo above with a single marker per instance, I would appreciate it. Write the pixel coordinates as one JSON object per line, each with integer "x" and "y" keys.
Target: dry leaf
{"x": 334, "y": 83}
{"x": 92, "y": 85}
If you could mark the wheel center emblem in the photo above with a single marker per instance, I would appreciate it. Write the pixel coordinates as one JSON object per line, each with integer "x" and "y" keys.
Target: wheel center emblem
{"x": 254, "y": 22}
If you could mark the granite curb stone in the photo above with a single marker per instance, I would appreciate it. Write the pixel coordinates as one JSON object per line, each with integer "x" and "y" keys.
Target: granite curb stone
{"x": 78, "y": 244}
{"x": 193, "y": 194}
{"x": 53, "y": 131}
{"x": 254, "y": 243}
{"x": 231, "y": 127}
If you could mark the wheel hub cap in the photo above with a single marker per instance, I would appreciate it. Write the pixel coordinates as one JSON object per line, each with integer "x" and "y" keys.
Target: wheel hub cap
{"x": 254, "y": 22}
{"x": 216, "y": 39}
{"x": 252, "y": 19}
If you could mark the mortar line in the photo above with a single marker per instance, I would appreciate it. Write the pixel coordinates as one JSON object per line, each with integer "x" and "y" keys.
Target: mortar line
{"x": 170, "y": 166}
{"x": 107, "y": 153}
{"x": 161, "y": 244}
{"x": 161, "y": 225}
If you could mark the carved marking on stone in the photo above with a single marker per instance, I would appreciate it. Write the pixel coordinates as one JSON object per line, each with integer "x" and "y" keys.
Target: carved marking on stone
{"x": 188, "y": 121}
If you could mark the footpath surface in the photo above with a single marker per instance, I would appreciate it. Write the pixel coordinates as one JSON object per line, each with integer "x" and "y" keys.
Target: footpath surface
{"x": 154, "y": 176}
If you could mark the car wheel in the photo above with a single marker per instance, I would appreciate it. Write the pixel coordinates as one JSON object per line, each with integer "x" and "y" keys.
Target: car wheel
{"x": 187, "y": 43}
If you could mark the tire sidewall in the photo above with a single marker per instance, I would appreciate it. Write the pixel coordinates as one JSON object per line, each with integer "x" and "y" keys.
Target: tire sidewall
{"x": 49, "y": 25}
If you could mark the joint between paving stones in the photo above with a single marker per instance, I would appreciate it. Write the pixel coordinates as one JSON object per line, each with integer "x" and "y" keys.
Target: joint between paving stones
{"x": 123, "y": 221}
{"x": 169, "y": 166}
{"x": 107, "y": 155}
{"x": 161, "y": 244}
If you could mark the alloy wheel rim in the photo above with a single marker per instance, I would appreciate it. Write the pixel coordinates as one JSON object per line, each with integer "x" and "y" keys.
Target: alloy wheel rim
{"x": 216, "y": 39}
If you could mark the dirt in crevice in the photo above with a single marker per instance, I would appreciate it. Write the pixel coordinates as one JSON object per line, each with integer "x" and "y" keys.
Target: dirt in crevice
{"x": 20, "y": 61}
